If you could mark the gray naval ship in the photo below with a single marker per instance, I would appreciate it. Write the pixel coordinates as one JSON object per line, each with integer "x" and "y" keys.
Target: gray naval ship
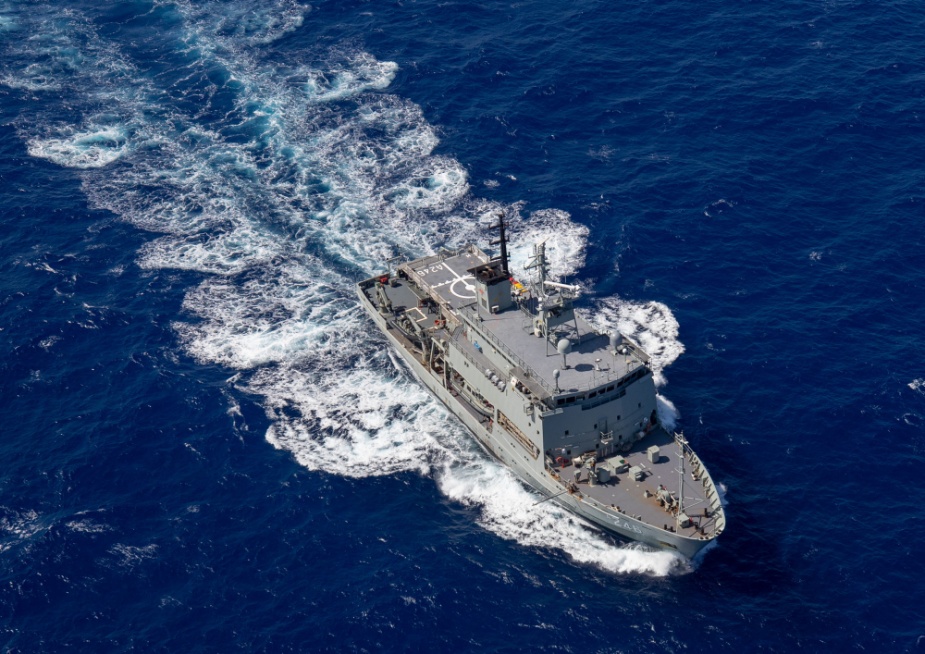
{"x": 570, "y": 409}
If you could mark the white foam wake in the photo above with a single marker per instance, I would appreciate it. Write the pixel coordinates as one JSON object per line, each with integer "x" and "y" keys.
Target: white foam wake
{"x": 312, "y": 177}
{"x": 360, "y": 73}
{"x": 93, "y": 148}
{"x": 650, "y": 324}
{"x": 511, "y": 512}
{"x": 565, "y": 242}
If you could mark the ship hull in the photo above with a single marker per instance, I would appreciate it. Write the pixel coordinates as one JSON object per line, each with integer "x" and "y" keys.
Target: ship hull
{"x": 543, "y": 481}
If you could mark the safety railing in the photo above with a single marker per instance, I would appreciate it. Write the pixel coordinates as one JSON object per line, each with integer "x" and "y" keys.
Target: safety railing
{"x": 471, "y": 318}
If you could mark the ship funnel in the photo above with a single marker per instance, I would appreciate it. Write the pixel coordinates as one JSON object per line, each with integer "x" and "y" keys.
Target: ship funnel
{"x": 564, "y": 347}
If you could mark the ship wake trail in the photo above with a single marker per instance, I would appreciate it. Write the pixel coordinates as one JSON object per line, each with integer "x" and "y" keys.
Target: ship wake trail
{"x": 280, "y": 183}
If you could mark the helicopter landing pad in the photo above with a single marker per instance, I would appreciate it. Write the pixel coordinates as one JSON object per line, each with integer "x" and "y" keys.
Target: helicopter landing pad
{"x": 448, "y": 277}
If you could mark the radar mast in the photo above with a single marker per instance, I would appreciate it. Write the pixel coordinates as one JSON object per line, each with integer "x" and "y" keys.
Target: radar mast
{"x": 502, "y": 240}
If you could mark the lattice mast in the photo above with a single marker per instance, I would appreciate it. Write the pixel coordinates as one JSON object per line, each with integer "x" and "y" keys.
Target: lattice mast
{"x": 502, "y": 240}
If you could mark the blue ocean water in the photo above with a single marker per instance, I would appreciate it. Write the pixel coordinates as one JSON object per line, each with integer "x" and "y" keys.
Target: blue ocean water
{"x": 207, "y": 448}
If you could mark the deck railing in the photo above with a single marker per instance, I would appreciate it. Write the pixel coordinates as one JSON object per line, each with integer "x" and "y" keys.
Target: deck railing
{"x": 457, "y": 335}
{"x": 471, "y": 318}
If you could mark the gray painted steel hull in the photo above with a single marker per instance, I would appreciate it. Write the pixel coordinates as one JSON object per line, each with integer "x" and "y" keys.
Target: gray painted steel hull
{"x": 502, "y": 446}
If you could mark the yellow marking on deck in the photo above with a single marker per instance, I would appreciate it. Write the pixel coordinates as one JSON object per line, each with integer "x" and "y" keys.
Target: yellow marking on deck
{"x": 420, "y": 313}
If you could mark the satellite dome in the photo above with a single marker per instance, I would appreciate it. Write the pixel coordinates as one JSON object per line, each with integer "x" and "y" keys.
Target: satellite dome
{"x": 564, "y": 347}
{"x": 616, "y": 340}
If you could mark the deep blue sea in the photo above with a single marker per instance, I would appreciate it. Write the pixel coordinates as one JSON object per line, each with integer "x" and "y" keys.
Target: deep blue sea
{"x": 205, "y": 445}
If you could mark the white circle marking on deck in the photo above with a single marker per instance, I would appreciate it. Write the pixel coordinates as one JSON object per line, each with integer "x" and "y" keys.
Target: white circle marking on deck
{"x": 469, "y": 287}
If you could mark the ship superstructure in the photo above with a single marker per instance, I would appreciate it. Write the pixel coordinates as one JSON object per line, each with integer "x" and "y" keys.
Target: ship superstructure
{"x": 570, "y": 409}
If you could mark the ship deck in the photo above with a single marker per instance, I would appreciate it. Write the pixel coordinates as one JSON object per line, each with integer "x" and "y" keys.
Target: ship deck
{"x": 629, "y": 496}
{"x": 447, "y": 276}
{"x": 590, "y": 362}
